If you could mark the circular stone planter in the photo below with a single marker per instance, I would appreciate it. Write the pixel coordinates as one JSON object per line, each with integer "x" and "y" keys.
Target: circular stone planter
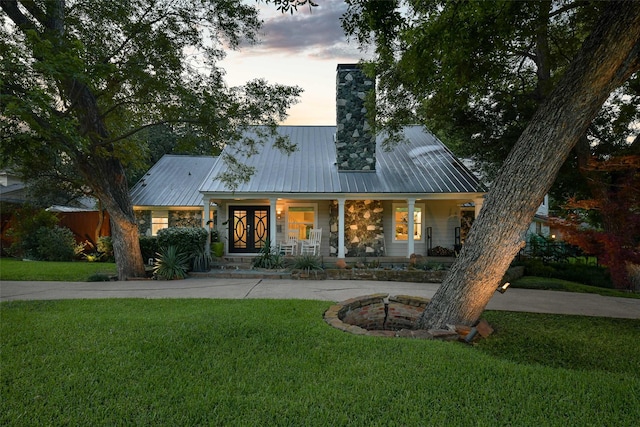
{"x": 384, "y": 316}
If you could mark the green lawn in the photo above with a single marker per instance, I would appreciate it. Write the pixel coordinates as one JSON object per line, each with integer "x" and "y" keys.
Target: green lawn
{"x": 79, "y": 271}
{"x": 547, "y": 283}
{"x": 275, "y": 362}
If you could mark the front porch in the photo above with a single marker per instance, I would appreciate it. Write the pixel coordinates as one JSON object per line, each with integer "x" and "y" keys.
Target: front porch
{"x": 383, "y": 228}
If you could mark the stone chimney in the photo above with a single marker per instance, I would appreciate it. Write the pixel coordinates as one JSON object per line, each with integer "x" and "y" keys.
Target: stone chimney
{"x": 355, "y": 143}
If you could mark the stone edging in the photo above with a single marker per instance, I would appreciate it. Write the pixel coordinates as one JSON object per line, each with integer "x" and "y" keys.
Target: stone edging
{"x": 400, "y": 310}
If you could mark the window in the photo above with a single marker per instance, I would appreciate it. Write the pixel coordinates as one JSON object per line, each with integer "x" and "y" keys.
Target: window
{"x": 401, "y": 222}
{"x": 303, "y": 219}
{"x": 159, "y": 220}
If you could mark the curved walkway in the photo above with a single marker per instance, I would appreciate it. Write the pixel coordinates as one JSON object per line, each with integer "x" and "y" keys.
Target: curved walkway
{"x": 535, "y": 301}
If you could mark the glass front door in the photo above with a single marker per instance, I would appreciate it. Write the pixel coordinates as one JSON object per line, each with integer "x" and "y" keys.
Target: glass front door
{"x": 248, "y": 228}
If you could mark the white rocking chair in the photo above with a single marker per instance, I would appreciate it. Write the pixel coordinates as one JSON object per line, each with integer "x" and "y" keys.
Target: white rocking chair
{"x": 311, "y": 246}
{"x": 290, "y": 246}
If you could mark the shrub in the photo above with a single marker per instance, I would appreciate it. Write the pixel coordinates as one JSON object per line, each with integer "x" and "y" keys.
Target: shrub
{"x": 535, "y": 267}
{"x": 307, "y": 262}
{"x": 149, "y": 247}
{"x": 268, "y": 258}
{"x": 186, "y": 239}
{"x": 99, "y": 277}
{"x": 105, "y": 248}
{"x": 429, "y": 266}
{"x": 171, "y": 264}
{"x": 200, "y": 260}
{"x": 586, "y": 274}
{"x": 580, "y": 273}
{"x": 53, "y": 244}
{"x": 26, "y": 223}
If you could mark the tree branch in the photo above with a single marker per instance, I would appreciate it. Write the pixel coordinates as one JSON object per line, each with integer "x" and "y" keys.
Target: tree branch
{"x": 568, "y": 7}
{"x": 15, "y": 14}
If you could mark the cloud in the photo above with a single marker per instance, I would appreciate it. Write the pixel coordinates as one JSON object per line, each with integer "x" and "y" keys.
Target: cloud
{"x": 316, "y": 33}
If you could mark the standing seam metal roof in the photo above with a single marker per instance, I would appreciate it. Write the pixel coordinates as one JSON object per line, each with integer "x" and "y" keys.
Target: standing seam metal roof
{"x": 173, "y": 181}
{"x": 422, "y": 164}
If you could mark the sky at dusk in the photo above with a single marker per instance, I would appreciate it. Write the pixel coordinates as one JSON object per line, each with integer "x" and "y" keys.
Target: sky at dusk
{"x": 302, "y": 49}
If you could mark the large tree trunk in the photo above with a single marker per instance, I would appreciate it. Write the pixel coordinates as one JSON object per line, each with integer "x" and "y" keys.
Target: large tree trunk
{"x": 107, "y": 179}
{"x": 609, "y": 56}
{"x": 102, "y": 171}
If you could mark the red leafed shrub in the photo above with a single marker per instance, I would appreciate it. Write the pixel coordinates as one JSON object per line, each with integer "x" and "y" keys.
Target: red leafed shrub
{"x": 615, "y": 239}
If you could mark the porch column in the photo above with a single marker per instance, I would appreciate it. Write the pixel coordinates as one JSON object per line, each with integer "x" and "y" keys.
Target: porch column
{"x": 478, "y": 201}
{"x": 341, "y": 228}
{"x": 272, "y": 223}
{"x": 205, "y": 223}
{"x": 410, "y": 227}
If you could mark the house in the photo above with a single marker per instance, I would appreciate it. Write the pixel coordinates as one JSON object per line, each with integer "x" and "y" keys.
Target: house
{"x": 368, "y": 201}
{"x": 169, "y": 193}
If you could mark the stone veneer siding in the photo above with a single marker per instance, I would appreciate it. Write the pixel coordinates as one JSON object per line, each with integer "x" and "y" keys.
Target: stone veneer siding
{"x": 190, "y": 218}
{"x": 355, "y": 143}
{"x": 185, "y": 219}
{"x": 363, "y": 229}
{"x": 143, "y": 218}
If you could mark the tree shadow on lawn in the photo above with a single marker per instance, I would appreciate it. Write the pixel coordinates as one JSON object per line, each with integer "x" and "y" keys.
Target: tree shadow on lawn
{"x": 562, "y": 341}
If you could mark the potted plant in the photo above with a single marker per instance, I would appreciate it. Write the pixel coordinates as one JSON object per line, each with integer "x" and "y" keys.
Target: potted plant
{"x": 217, "y": 246}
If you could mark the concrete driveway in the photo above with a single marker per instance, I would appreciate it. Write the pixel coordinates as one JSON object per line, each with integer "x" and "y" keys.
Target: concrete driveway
{"x": 526, "y": 300}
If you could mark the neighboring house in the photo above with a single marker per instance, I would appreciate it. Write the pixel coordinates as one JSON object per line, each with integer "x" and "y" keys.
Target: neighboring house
{"x": 12, "y": 189}
{"x": 367, "y": 201}
{"x": 84, "y": 219}
{"x": 540, "y": 223}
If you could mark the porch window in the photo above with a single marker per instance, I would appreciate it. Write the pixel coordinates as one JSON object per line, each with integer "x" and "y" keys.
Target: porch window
{"x": 303, "y": 219}
{"x": 159, "y": 220}
{"x": 401, "y": 222}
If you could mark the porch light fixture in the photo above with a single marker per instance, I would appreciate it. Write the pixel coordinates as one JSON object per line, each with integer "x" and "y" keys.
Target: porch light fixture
{"x": 279, "y": 213}
{"x": 503, "y": 288}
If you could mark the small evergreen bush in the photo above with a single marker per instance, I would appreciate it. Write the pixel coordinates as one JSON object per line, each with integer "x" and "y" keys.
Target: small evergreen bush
{"x": 53, "y": 244}
{"x": 186, "y": 239}
{"x": 26, "y": 224}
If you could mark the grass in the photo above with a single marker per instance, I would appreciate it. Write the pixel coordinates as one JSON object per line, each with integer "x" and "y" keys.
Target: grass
{"x": 78, "y": 271}
{"x": 546, "y": 283}
{"x": 275, "y": 362}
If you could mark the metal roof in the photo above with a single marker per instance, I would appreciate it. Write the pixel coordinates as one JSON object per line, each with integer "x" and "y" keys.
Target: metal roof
{"x": 421, "y": 164}
{"x": 173, "y": 181}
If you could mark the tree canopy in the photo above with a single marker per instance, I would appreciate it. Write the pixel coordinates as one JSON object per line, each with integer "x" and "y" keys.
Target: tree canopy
{"x": 80, "y": 80}
{"x": 475, "y": 72}
{"x": 438, "y": 51}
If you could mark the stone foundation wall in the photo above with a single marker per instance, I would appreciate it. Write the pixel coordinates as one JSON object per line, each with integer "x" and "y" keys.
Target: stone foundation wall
{"x": 418, "y": 276}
